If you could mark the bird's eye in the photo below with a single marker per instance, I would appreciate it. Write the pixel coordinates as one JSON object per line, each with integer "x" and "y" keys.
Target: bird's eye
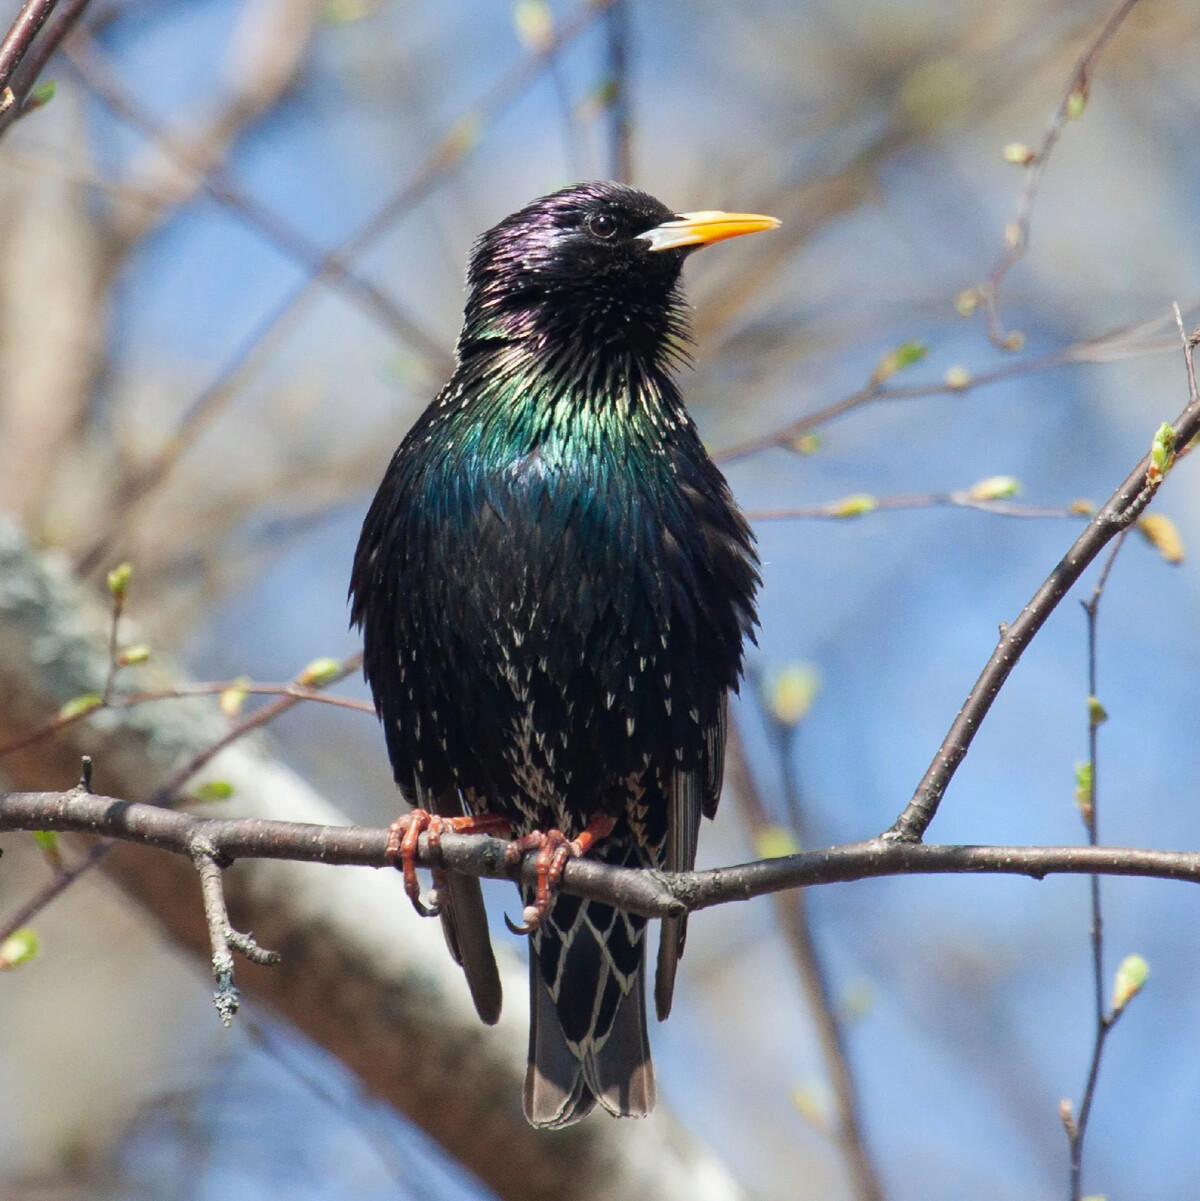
{"x": 602, "y": 225}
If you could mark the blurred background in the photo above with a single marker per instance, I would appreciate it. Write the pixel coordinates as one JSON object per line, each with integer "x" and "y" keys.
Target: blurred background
{"x": 187, "y": 382}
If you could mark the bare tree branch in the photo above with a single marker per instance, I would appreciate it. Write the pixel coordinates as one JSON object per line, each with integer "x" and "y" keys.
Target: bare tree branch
{"x": 1121, "y": 510}
{"x": 650, "y": 893}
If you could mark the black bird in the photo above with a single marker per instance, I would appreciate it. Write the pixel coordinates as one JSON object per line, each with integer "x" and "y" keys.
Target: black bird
{"x": 554, "y": 584}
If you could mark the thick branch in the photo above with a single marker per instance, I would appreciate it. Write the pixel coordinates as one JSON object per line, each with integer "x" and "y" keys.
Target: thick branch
{"x": 652, "y": 894}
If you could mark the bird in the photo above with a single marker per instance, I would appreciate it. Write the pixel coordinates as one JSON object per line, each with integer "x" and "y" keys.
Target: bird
{"x": 554, "y": 586}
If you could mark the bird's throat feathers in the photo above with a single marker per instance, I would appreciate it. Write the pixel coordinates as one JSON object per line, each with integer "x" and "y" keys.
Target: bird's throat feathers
{"x": 526, "y": 393}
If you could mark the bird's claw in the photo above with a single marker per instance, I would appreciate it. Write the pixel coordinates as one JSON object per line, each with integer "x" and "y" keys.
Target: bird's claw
{"x": 404, "y": 835}
{"x": 554, "y": 850}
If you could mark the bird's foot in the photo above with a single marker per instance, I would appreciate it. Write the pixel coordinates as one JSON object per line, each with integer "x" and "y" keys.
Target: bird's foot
{"x": 554, "y": 849}
{"x": 401, "y": 849}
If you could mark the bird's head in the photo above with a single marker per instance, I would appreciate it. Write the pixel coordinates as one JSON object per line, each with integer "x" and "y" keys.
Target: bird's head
{"x": 595, "y": 265}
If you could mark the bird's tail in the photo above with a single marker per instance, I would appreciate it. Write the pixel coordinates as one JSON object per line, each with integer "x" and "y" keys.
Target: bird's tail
{"x": 587, "y": 1030}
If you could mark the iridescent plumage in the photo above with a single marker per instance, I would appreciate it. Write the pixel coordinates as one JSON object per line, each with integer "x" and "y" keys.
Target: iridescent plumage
{"x": 554, "y": 586}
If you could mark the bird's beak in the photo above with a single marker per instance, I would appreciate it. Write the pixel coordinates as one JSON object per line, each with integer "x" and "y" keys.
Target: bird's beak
{"x": 700, "y": 229}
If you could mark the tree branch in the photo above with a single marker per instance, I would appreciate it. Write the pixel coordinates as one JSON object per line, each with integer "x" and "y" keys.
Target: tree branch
{"x": 1123, "y": 508}
{"x": 652, "y": 894}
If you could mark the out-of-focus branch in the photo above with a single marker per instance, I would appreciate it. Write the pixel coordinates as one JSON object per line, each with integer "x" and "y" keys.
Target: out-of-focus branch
{"x": 34, "y": 37}
{"x": 266, "y": 55}
{"x": 137, "y": 484}
{"x": 53, "y": 321}
{"x": 184, "y": 166}
{"x": 791, "y": 910}
{"x": 620, "y": 120}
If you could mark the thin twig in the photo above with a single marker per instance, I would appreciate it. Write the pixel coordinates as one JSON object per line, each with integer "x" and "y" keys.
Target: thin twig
{"x": 63, "y": 878}
{"x": 861, "y": 505}
{"x": 1120, "y": 511}
{"x": 1078, "y": 1127}
{"x": 1123, "y": 342}
{"x": 791, "y": 909}
{"x": 297, "y": 692}
{"x": 1017, "y": 231}
{"x": 223, "y": 938}
{"x": 168, "y": 792}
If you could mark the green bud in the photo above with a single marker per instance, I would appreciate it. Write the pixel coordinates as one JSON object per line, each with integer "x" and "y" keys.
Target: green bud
{"x": 1083, "y": 789}
{"x": 318, "y": 672}
{"x": 131, "y": 656}
{"x": 857, "y": 1001}
{"x": 966, "y": 302}
{"x": 234, "y": 697}
{"x": 791, "y": 692}
{"x": 958, "y": 378}
{"x": 1097, "y": 714}
{"x": 79, "y": 705}
{"x": 1162, "y": 534}
{"x": 1162, "y": 449}
{"x": 213, "y": 790}
{"x": 47, "y": 842}
{"x": 1018, "y": 153}
{"x": 806, "y": 444}
{"x": 904, "y": 355}
{"x": 813, "y": 1106}
{"x": 41, "y": 95}
{"x": 118, "y": 580}
{"x": 534, "y": 23}
{"x": 463, "y": 137}
{"x": 1131, "y": 978}
{"x": 773, "y": 842}
{"x": 19, "y": 947}
{"x": 858, "y": 504}
{"x": 995, "y": 487}
{"x": 1076, "y": 103}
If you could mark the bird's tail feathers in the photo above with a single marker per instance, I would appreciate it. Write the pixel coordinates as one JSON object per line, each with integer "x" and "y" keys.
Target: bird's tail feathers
{"x": 465, "y": 925}
{"x": 464, "y": 920}
{"x": 563, "y": 1083}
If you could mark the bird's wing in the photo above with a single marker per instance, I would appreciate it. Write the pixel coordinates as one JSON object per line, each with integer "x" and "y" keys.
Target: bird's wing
{"x": 692, "y": 793}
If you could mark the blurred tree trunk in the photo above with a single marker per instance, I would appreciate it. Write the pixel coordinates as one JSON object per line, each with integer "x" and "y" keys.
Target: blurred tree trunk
{"x": 361, "y": 974}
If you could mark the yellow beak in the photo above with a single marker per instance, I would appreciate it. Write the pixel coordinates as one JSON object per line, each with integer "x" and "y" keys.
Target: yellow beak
{"x": 701, "y": 229}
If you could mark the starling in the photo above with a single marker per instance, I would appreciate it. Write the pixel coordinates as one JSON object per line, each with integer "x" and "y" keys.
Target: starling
{"x": 554, "y": 585}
